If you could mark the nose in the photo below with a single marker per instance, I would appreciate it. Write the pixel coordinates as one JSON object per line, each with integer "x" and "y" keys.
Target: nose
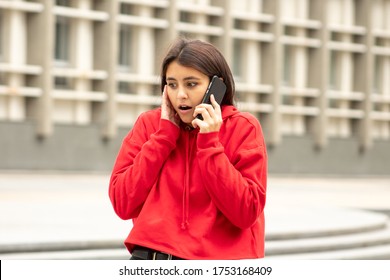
{"x": 181, "y": 93}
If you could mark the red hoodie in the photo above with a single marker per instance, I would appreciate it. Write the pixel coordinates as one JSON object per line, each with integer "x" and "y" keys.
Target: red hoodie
{"x": 193, "y": 195}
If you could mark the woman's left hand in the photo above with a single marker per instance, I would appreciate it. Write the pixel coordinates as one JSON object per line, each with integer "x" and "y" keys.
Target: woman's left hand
{"x": 212, "y": 116}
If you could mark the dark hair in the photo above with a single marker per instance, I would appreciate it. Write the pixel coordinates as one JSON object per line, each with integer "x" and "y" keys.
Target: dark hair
{"x": 203, "y": 57}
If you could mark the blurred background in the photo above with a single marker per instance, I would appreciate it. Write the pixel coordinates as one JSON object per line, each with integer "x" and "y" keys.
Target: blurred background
{"x": 75, "y": 75}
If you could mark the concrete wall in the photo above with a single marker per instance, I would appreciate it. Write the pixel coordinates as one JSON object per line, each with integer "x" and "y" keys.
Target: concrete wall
{"x": 297, "y": 155}
{"x": 81, "y": 148}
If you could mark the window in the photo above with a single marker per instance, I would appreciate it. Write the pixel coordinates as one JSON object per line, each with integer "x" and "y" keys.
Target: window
{"x": 126, "y": 9}
{"x": 2, "y": 78}
{"x": 376, "y": 85}
{"x": 125, "y": 48}
{"x": 62, "y": 83}
{"x": 126, "y": 87}
{"x": 334, "y": 70}
{"x": 288, "y": 64}
{"x": 65, "y": 3}
{"x": 237, "y": 60}
{"x": 185, "y": 17}
{"x": 62, "y": 45}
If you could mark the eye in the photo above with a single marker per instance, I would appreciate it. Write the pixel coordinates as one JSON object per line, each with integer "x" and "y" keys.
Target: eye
{"x": 172, "y": 85}
{"x": 192, "y": 84}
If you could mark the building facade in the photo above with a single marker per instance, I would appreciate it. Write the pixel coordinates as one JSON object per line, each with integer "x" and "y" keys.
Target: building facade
{"x": 317, "y": 69}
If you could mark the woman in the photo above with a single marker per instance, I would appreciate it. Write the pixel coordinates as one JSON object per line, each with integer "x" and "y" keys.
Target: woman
{"x": 195, "y": 189}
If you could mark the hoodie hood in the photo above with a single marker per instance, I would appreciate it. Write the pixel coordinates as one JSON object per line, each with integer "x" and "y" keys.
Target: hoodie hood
{"x": 228, "y": 111}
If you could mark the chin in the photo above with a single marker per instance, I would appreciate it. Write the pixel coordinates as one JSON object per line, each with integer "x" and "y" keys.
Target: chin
{"x": 187, "y": 121}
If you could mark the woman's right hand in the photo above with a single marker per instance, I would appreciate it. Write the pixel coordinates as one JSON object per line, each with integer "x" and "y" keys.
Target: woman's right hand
{"x": 167, "y": 110}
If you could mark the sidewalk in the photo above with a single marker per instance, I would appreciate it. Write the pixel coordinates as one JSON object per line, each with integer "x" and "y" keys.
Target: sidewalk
{"x": 57, "y": 207}
{"x": 47, "y": 208}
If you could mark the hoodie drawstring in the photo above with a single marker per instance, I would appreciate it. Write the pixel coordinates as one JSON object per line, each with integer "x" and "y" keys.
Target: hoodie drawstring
{"x": 186, "y": 191}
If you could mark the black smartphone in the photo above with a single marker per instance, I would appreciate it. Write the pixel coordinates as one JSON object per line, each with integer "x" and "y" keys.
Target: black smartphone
{"x": 216, "y": 87}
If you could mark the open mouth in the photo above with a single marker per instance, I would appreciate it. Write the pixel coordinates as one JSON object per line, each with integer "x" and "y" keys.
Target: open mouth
{"x": 184, "y": 108}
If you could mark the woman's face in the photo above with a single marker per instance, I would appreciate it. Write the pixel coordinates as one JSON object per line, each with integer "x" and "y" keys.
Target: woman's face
{"x": 186, "y": 87}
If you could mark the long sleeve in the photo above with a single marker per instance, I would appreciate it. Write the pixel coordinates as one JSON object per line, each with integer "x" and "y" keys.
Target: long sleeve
{"x": 236, "y": 183}
{"x": 138, "y": 164}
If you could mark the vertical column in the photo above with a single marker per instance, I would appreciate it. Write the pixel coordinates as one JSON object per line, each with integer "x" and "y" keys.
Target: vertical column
{"x": 385, "y": 71}
{"x": 106, "y": 57}
{"x": 300, "y": 70}
{"x": 300, "y": 65}
{"x": 3, "y": 58}
{"x": 346, "y": 70}
{"x": 275, "y": 65}
{"x": 201, "y": 19}
{"x": 319, "y": 77}
{"x": 251, "y": 54}
{"x": 83, "y": 61}
{"x": 17, "y": 56}
{"x": 346, "y": 81}
{"x": 252, "y": 49}
{"x": 173, "y": 19}
{"x": 226, "y": 42}
{"x": 145, "y": 63}
{"x": 43, "y": 45}
{"x": 363, "y": 78}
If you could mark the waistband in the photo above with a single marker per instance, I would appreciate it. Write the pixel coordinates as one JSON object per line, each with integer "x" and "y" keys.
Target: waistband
{"x": 144, "y": 253}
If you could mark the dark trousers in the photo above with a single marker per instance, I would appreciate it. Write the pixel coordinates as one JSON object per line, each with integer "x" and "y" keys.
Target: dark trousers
{"x": 143, "y": 253}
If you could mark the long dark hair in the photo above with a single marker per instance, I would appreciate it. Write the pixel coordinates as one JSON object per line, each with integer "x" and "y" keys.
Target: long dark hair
{"x": 203, "y": 57}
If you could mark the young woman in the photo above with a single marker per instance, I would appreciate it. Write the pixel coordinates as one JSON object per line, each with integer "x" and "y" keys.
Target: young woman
{"x": 195, "y": 189}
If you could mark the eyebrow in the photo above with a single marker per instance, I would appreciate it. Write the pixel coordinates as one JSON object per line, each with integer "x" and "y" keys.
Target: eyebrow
{"x": 185, "y": 79}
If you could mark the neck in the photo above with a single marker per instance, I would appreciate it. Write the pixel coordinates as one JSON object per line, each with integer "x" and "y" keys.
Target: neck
{"x": 186, "y": 126}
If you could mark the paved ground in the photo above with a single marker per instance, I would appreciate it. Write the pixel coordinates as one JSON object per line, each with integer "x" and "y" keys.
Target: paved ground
{"x": 312, "y": 204}
{"x": 48, "y": 207}
{"x": 55, "y": 207}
